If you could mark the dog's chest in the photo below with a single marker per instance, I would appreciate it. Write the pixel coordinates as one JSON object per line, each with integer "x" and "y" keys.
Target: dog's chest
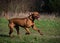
{"x": 29, "y": 23}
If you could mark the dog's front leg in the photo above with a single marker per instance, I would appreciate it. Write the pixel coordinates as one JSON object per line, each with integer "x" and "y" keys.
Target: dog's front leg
{"x": 34, "y": 27}
{"x": 27, "y": 31}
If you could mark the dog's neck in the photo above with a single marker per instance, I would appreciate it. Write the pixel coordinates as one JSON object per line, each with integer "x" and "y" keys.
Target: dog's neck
{"x": 31, "y": 18}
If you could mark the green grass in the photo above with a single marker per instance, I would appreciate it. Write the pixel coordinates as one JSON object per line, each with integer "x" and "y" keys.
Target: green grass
{"x": 50, "y": 29}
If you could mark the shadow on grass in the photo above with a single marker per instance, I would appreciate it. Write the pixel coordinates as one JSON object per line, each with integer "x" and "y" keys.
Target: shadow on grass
{"x": 3, "y": 35}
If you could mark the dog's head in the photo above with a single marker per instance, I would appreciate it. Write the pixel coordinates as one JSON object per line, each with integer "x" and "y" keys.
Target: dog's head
{"x": 35, "y": 15}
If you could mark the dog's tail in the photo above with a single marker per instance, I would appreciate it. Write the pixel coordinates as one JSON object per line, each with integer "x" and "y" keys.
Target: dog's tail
{"x": 6, "y": 16}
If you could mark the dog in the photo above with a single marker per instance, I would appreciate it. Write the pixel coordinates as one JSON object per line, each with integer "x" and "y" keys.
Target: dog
{"x": 26, "y": 23}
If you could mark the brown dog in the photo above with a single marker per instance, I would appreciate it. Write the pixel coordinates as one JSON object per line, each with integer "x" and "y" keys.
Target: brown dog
{"x": 26, "y": 23}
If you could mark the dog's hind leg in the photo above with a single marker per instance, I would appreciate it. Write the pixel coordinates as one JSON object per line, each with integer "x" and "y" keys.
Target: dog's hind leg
{"x": 17, "y": 29}
{"x": 11, "y": 26}
{"x": 34, "y": 27}
{"x": 27, "y": 31}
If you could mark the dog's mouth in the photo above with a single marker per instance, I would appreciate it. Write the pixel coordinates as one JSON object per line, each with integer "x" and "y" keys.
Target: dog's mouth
{"x": 37, "y": 17}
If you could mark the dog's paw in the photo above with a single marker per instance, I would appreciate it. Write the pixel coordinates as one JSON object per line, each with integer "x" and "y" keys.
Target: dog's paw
{"x": 11, "y": 36}
{"x": 41, "y": 33}
{"x": 27, "y": 33}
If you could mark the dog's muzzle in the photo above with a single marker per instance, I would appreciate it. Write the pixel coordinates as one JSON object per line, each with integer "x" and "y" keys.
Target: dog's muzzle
{"x": 37, "y": 17}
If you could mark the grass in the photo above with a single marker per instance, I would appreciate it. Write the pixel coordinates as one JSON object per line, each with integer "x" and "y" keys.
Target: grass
{"x": 50, "y": 29}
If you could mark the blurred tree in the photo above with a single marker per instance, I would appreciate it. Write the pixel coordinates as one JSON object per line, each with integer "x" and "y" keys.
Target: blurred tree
{"x": 30, "y": 5}
{"x": 54, "y": 5}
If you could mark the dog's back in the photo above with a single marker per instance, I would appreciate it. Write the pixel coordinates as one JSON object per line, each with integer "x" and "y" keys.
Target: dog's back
{"x": 18, "y": 21}
{"x": 24, "y": 22}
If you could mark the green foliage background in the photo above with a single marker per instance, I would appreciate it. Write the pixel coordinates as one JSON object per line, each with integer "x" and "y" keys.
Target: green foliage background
{"x": 49, "y": 27}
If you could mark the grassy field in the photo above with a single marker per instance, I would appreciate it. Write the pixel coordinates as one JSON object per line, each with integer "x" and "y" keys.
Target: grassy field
{"x": 49, "y": 27}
